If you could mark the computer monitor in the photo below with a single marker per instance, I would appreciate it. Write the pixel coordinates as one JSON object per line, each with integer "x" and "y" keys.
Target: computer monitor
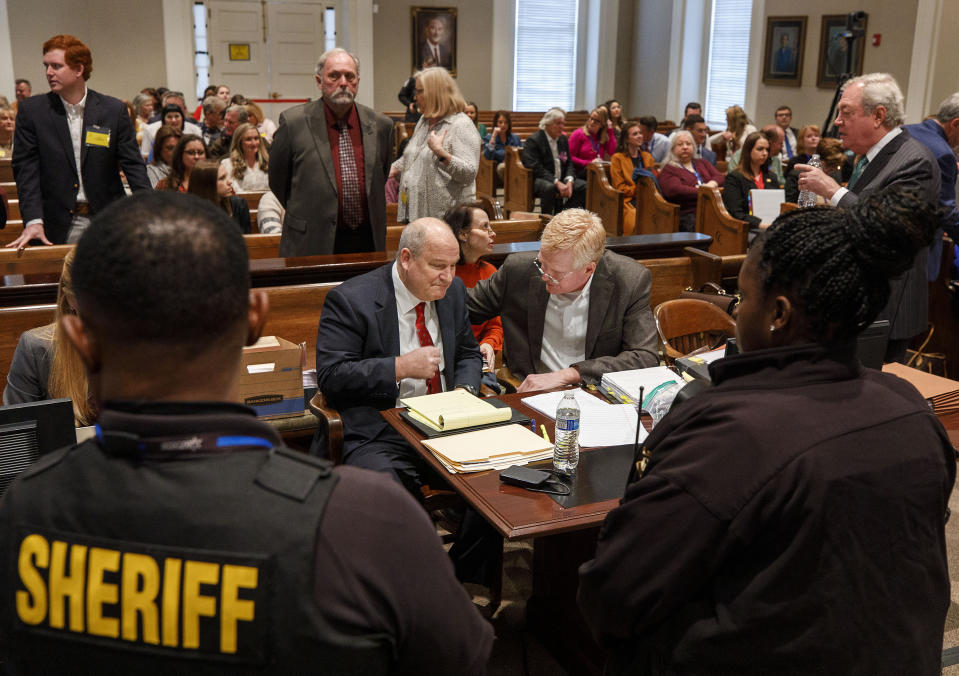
{"x": 28, "y": 431}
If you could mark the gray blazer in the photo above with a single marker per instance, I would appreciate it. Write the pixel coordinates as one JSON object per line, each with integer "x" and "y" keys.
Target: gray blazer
{"x": 620, "y": 331}
{"x": 303, "y": 177}
{"x": 30, "y": 368}
{"x": 906, "y": 162}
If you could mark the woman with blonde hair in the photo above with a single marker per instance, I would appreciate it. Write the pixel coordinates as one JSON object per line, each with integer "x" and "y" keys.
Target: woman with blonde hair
{"x": 593, "y": 142}
{"x": 8, "y": 123}
{"x": 263, "y": 124}
{"x": 738, "y": 127}
{"x": 45, "y": 364}
{"x": 249, "y": 162}
{"x": 438, "y": 167}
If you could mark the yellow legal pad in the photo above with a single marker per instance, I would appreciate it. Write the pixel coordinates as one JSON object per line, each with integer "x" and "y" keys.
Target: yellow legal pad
{"x": 490, "y": 448}
{"x": 454, "y": 410}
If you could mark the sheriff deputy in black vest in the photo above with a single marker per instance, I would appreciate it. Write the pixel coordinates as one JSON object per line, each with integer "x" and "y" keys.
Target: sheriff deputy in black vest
{"x": 183, "y": 538}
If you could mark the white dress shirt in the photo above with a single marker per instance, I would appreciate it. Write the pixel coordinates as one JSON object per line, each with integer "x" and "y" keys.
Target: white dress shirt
{"x": 406, "y": 304}
{"x": 75, "y": 123}
{"x": 870, "y": 156}
{"x": 564, "y": 330}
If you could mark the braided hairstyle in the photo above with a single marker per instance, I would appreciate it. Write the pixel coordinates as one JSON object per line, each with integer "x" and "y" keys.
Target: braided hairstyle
{"x": 836, "y": 263}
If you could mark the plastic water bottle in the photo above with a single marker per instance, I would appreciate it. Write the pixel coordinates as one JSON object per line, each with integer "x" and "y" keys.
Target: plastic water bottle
{"x": 566, "y": 448}
{"x": 807, "y": 198}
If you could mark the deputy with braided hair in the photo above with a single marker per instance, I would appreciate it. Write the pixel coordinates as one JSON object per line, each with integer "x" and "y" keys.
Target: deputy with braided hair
{"x": 791, "y": 519}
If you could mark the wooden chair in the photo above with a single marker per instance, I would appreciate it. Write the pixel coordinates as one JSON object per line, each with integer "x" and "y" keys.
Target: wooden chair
{"x": 654, "y": 215}
{"x": 786, "y": 207}
{"x": 603, "y": 199}
{"x": 730, "y": 235}
{"x": 722, "y": 166}
{"x": 486, "y": 176}
{"x": 518, "y": 183}
{"x": 687, "y": 326}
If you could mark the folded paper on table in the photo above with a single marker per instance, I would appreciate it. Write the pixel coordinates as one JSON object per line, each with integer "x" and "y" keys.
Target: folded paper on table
{"x": 490, "y": 448}
{"x": 600, "y": 423}
{"x": 454, "y": 410}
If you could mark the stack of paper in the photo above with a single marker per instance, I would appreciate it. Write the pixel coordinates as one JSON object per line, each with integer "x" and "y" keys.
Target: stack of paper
{"x": 490, "y": 448}
{"x": 600, "y": 423}
{"x": 942, "y": 393}
{"x": 454, "y": 410}
{"x": 624, "y": 385}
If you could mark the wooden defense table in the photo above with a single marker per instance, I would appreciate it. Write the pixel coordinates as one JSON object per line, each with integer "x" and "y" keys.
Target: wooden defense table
{"x": 563, "y": 539}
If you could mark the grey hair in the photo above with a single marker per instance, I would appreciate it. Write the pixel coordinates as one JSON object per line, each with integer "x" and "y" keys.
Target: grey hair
{"x": 671, "y": 157}
{"x": 881, "y": 89}
{"x": 551, "y": 116}
{"x": 949, "y": 109}
{"x": 336, "y": 50}
{"x": 139, "y": 100}
{"x": 172, "y": 95}
{"x": 213, "y": 104}
{"x": 415, "y": 235}
{"x": 242, "y": 116}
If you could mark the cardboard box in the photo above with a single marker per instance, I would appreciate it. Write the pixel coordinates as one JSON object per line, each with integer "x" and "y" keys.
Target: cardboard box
{"x": 272, "y": 378}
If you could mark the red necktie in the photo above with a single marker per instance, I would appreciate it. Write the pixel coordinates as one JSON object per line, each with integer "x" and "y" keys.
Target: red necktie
{"x": 433, "y": 385}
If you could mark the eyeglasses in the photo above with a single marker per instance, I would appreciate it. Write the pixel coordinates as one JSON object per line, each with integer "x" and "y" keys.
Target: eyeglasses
{"x": 195, "y": 153}
{"x": 549, "y": 278}
{"x": 485, "y": 227}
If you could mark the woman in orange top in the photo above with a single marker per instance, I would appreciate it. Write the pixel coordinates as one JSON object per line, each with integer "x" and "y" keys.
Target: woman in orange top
{"x": 627, "y": 157}
{"x": 471, "y": 226}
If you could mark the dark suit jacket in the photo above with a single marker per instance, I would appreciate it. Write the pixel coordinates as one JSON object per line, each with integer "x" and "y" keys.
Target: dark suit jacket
{"x": 45, "y": 169}
{"x": 303, "y": 177}
{"x": 736, "y": 194}
{"x": 707, "y": 154}
{"x": 620, "y": 331}
{"x": 357, "y": 343}
{"x": 426, "y": 54}
{"x": 906, "y": 162}
{"x": 538, "y": 157}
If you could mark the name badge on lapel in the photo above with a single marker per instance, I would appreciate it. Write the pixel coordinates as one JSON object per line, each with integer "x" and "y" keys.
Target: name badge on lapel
{"x": 98, "y": 136}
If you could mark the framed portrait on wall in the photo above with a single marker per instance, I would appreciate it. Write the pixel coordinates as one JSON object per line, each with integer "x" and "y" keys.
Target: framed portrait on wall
{"x": 434, "y": 38}
{"x": 785, "y": 46}
{"x": 833, "y": 48}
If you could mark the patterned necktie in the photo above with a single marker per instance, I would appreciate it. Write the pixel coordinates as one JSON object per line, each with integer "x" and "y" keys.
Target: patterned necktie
{"x": 433, "y": 385}
{"x": 857, "y": 171}
{"x": 350, "y": 181}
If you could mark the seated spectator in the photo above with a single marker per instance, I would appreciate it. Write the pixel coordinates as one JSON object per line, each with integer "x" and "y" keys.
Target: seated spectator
{"x": 617, "y": 119}
{"x": 738, "y": 127}
{"x": 752, "y": 173}
{"x": 626, "y": 160}
{"x": 471, "y": 226}
{"x": 189, "y": 150}
{"x": 654, "y": 143}
{"x": 270, "y": 215}
{"x": 209, "y": 91}
{"x": 164, "y": 145}
{"x": 472, "y": 112}
{"x": 791, "y": 138}
{"x": 172, "y": 116}
{"x": 143, "y": 107}
{"x": 696, "y": 125}
{"x": 249, "y": 163}
{"x": 775, "y": 137}
{"x": 807, "y": 143}
{"x": 263, "y": 124}
{"x": 287, "y": 562}
{"x": 546, "y": 154}
{"x": 223, "y": 93}
{"x": 149, "y": 132}
{"x": 233, "y": 117}
{"x": 494, "y": 144}
{"x": 692, "y": 108}
{"x": 45, "y": 364}
{"x": 8, "y": 124}
{"x": 212, "y": 124}
{"x": 572, "y": 311}
{"x": 210, "y": 181}
{"x": 681, "y": 177}
{"x": 806, "y": 496}
{"x": 592, "y": 142}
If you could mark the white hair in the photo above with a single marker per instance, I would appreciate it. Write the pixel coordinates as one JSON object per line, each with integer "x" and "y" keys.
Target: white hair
{"x": 671, "y": 157}
{"x": 949, "y": 109}
{"x": 551, "y": 116}
{"x": 336, "y": 50}
{"x": 881, "y": 89}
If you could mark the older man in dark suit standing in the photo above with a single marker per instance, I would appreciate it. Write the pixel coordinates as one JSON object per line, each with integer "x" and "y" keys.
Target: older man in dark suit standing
{"x": 70, "y": 146}
{"x": 869, "y": 116}
{"x": 328, "y": 166}
{"x": 547, "y": 153}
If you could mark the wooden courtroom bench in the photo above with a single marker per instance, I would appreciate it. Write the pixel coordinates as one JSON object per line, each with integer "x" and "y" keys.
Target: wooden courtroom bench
{"x": 517, "y": 183}
{"x": 730, "y": 235}
{"x": 604, "y": 200}
{"x": 486, "y": 176}
{"x": 9, "y": 189}
{"x": 653, "y": 213}
{"x": 6, "y": 170}
{"x": 253, "y": 202}
{"x": 13, "y": 209}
